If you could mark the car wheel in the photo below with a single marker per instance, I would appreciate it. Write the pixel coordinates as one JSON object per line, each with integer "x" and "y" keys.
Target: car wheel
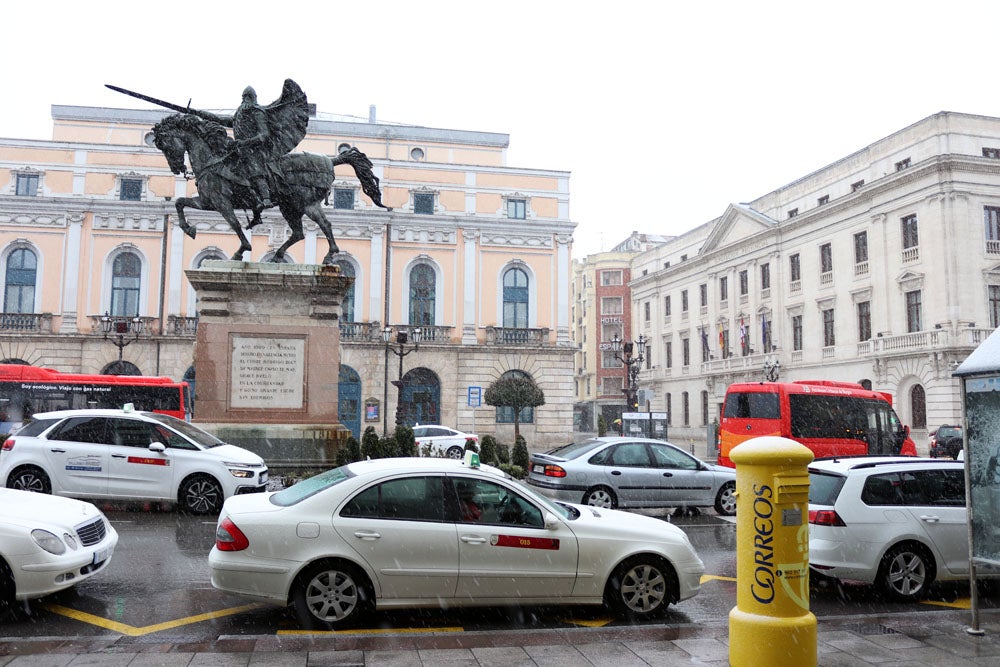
{"x": 29, "y": 478}
{"x": 907, "y": 571}
{"x": 725, "y": 500}
{"x": 331, "y": 594}
{"x": 641, "y": 588}
{"x": 600, "y": 496}
{"x": 200, "y": 495}
{"x": 455, "y": 452}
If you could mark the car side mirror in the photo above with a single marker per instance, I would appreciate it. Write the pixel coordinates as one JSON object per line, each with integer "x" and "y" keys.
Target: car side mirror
{"x": 551, "y": 522}
{"x": 157, "y": 447}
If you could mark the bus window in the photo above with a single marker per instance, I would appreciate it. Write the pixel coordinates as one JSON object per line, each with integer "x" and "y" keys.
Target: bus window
{"x": 752, "y": 405}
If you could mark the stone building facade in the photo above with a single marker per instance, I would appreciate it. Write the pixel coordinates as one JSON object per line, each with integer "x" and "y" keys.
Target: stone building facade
{"x": 883, "y": 267}
{"x": 475, "y": 252}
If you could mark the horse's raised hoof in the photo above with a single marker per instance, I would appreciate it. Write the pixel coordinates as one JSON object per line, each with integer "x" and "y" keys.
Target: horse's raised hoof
{"x": 189, "y": 230}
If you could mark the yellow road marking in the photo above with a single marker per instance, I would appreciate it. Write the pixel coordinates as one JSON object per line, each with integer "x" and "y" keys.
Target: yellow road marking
{"x": 596, "y": 623}
{"x": 715, "y": 577}
{"x": 133, "y": 631}
{"x": 369, "y": 631}
{"x": 960, "y": 603}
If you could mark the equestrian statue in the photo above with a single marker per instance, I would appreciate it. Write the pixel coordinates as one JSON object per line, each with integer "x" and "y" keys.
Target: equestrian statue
{"x": 255, "y": 169}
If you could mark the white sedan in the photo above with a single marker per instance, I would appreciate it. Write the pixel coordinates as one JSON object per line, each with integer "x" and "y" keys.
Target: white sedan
{"x": 49, "y": 543}
{"x": 425, "y": 532}
{"x": 441, "y": 441}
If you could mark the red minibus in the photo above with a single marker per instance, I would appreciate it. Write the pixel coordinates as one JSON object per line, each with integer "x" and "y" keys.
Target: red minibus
{"x": 25, "y": 390}
{"x": 830, "y": 418}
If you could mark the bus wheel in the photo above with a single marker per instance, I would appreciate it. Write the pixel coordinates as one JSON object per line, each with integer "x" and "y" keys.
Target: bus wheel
{"x": 29, "y": 478}
{"x": 200, "y": 494}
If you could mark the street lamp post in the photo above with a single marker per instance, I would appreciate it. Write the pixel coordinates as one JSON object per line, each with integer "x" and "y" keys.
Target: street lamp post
{"x": 402, "y": 338}
{"x": 632, "y": 356}
{"x": 121, "y": 331}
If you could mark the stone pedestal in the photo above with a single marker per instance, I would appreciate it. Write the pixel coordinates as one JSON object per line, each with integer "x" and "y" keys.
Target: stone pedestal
{"x": 267, "y": 358}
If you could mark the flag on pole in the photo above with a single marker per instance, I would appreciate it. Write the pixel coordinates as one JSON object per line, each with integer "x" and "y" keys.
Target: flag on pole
{"x": 763, "y": 332}
{"x": 704, "y": 339}
{"x": 743, "y": 332}
{"x": 722, "y": 338}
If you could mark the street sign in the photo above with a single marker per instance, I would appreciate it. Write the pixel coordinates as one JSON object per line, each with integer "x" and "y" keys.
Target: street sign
{"x": 475, "y": 397}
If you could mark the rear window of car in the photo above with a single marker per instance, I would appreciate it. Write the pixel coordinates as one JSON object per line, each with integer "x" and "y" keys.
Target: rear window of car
{"x": 824, "y": 487}
{"x": 310, "y": 487}
{"x": 35, "y": 427}
{"x": 949, "y": 432}
{"x": 574, "y": 449}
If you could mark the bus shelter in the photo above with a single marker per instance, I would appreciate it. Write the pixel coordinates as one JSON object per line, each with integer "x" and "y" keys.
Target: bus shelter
{"x": 979, "y": 375}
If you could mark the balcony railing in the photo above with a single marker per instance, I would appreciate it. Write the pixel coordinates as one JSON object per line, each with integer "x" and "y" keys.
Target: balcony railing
{"x": 181, "y": 326}
{"x": 360, "y": 332}
{"x": 968, "y": 337}
{"x": 26, "y": 322}
{"x": 516, "y": 336}
{"x": 911, "y": 254}
{"x": 430, "y": 333}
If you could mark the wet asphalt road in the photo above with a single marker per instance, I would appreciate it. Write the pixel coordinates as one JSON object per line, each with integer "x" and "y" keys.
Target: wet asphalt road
{"x": 158, "y": 586}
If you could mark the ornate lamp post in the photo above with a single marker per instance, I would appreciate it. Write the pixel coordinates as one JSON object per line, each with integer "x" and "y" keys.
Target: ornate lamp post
{"x": 772, "y": 367}
{"x": 402, "y": 337}
{"x": 121, "y": 331}
{"x": 632, "y": 356}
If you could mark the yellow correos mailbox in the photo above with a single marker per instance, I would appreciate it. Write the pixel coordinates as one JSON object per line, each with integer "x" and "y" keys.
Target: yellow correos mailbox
{"x": 771, "y": 624}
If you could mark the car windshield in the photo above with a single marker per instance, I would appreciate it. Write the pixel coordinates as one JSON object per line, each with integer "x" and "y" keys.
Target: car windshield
{"x": 824, "y": 487}
{"x": 192, "y": 433}
{"x": 310, "y": 487}
{"x": 574, "y": 449}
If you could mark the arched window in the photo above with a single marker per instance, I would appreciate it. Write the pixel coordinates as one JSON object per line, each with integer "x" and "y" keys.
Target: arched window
{"x": 269, "y": 257}
{"x": 126, "y": 276}
{"x": 347, "y": 269}
{"x": 121, "y": 368}
{"x": 918, "y": 407}
{"x": 423, "y": 287}
{"x": 505, "y": 415}
{"x": 19, "y": 281}
{"x": 515, "y": 298}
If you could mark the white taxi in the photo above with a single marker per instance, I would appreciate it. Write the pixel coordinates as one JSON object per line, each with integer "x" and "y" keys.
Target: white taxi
{"x": 128, "y": 455}
{"x": 429, "y": 532}
{"x": 48, "y": 544}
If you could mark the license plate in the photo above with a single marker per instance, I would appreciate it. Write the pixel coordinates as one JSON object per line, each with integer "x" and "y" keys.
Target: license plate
{"x": 539, "y": 468}
{"x": 263, "y": 477}
{"x": 102, "y": 555}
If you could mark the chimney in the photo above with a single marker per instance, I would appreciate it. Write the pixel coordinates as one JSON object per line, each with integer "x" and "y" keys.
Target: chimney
{"x": 371, "y": 114}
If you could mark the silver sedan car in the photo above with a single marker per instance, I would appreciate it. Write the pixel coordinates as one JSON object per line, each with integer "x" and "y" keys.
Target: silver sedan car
{"x": 631, "y": 473}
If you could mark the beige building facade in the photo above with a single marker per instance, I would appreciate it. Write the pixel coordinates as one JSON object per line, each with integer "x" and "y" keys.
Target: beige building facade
{"x": 883, "y": 267}
{"x": 475, "y": 252}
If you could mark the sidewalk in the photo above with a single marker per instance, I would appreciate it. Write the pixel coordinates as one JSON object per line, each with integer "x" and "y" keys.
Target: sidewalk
{"x": 920, "y": 638}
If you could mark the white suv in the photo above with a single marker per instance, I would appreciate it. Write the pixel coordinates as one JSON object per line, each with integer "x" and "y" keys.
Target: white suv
{"x": 122, "y": 454}
{"x": 897, "y": 522}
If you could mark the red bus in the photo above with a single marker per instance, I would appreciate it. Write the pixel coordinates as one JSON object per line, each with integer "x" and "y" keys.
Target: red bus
{"x": 25, "y": 390}
{"x": 830, "y": 418}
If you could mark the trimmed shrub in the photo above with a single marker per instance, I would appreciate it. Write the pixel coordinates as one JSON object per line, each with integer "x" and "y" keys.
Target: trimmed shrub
{"x": 520, "y": 455}
{"x": 406, "y": 445}
{"x": 602, "y": 426}
{"x": 488, "y": 450}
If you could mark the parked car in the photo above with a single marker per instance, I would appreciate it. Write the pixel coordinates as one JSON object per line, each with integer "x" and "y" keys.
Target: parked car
{"x": 128, "y": 455}
{"x": 441, "y": 440}
{"x": 391, "y": 533}
{"x": 623, "y": 472}
{"x": 48, "y": 544}
{"x": 946, "y": 441}
{"x": 898, "y": 523}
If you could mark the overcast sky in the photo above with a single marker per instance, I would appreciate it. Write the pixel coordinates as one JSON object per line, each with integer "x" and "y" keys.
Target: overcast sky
{"x": 663, "y": 113}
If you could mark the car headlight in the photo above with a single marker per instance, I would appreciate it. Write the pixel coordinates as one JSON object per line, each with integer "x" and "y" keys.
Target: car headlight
{"x": 237, "y": 472}
{"x": 69, "y": 540}
{"x": 48, "y": 541}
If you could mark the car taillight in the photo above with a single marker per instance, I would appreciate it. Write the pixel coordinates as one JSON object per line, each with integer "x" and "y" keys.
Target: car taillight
{"x": 8, "y": 444}
{"x": 230, "y": 538}
{"x": 825, "y": 518}
{"x": 554, "y": 471}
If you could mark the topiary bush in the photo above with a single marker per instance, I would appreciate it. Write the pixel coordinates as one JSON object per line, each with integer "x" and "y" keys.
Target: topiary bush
{"x": 519, "y": 457}
{"x": 488, "y": 450}
{"x": 369, "y": 444}
{"x": 406, "y": 444}
{"x": 503, "y": 453}
{"x": 602, "y": 426}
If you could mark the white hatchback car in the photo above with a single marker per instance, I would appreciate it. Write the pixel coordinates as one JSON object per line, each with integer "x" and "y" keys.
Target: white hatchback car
{"x": 127, "y": 455}
{"x": 897, "y": 522}
{"x": 430, "y": 532}
{"x": 48, "y": 544}
{"x": 441, "y": 440}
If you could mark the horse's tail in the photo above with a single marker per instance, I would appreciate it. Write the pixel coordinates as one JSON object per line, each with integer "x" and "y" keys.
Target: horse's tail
{"x": 363, "y": 168}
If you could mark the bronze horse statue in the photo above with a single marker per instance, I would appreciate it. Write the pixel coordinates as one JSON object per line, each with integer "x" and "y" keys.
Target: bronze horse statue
{"x": 302, "y": 181}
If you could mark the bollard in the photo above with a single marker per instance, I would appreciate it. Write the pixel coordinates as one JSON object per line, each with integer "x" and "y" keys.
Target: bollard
{"x": 771, "y": 623}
